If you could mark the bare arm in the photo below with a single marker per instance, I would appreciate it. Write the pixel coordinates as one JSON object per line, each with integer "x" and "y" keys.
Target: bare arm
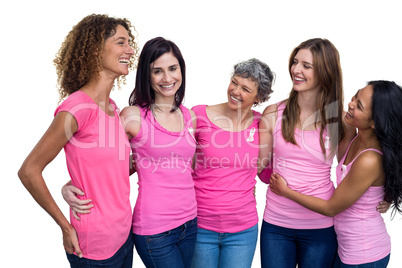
{"x": 192, "y": 133}
{"x": 266, "y": 126}
{"x": 60, "y": 131}
{"x": 69, "y": 193}
{"x": 365, "y": 172}
{"x": 131, "y": 119}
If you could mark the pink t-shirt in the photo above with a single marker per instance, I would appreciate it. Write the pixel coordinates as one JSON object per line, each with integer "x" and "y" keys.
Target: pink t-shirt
{"x": 306, "y": 171}
{"x": 166, "y": 197}
{"x": 98, "y": 162}
{"x": 224, "y": 175}
{"x": 361, "y": 231}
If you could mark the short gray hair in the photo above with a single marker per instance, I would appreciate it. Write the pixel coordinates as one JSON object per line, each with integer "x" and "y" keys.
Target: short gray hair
{"x": 260, "y": 73}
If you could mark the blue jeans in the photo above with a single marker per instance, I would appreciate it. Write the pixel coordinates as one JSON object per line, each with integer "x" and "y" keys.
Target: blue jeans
{"x": 377, "y": 264}
{"x": 173, "y": 249}
{"x": 225, "y": 249}
{"x": 123, "y": 258}
{"x": 284, "y": 247}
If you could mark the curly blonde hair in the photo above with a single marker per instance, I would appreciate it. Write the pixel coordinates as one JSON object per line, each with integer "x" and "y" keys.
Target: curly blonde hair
{"x": 79, "y": 57}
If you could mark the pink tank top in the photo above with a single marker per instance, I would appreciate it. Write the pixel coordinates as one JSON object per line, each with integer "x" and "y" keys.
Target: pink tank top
{"x": 224, "y": 175}
{"x": 166, "y": 197}
{"x": 361, "y": 231}
{"x": 306, "y": 170}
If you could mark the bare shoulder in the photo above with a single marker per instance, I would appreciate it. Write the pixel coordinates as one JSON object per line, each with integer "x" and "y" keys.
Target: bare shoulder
{"x": 193, "y": 118}
{"x": 192, "y": 114}
{"x": 131, "y": 119}
{"x": 130, "y": 111}
{"x": 268, "y": 117}
{"x": 270, "y": 109}
{"x": 369, "y": 167}
{"x": 215, "y": 109}
{"x": 369, "y": 159}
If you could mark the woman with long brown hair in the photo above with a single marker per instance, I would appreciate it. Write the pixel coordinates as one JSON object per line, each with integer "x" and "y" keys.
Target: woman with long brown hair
{"x": 299, "y": 138}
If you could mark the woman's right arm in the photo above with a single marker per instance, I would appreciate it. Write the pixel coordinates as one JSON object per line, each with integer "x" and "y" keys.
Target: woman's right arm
{"x": 267, "y": 121}
{"x": 60, "y": 131}
{"x": 192, "y": 133}
{"x": 131, "y": 119}
{"x": 69, "y": 193}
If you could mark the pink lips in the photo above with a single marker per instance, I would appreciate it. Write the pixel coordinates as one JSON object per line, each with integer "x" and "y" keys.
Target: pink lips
{"x": 299, "y": 81}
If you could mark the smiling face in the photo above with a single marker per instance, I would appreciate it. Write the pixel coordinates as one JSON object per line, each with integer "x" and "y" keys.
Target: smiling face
{"x": 166, "y": 77}
{"x": 242, "y": 93}
{"x": 302, "y": 70}
{"x": 116, "y": 54}
{"x": 360, "y": 110}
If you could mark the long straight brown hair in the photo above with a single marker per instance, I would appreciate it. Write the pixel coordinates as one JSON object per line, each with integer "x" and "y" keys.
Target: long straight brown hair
{"x": 327, "y": 70}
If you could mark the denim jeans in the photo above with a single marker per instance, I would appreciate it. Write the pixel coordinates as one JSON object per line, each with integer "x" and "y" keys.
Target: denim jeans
{"x": 173, "y": 248}
{"x": 223, "y": 250}
{"x": 377, "y": 264}
{"x": 123, "y": 258}
{"x": 309, "y": 248}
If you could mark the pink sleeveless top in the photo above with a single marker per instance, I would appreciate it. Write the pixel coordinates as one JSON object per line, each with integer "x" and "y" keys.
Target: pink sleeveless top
{"x": 361, "y": 231}
{"x": 306, "y": 170}
{"x": 166, "y": 197}
{"x": 224, "y": 175}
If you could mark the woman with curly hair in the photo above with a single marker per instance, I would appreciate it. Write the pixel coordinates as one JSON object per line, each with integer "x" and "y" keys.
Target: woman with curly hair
{"x": 160, "y": 130}
{"x": 370, "y": 171}
{"x": 97, "y": 51}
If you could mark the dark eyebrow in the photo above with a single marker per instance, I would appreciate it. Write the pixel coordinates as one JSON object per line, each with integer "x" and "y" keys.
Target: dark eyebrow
{"x": 361, "y": 104}
{"x": 159, "y": 68}
{"x": 120, "y": 38}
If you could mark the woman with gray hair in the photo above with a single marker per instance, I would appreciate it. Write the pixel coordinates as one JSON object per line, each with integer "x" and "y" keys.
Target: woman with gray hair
{"x": 225, "y": 168}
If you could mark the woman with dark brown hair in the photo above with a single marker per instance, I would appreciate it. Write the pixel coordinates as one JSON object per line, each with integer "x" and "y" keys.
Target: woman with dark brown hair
{"x": 370, "y": 171}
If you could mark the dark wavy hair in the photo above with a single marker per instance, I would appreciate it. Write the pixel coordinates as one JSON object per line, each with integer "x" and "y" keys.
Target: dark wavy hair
{"x": 143, "y": 95}
{"x": 327, "y": 70}
{"x": 79, "y": 57}
{"x": 387, "y": 117}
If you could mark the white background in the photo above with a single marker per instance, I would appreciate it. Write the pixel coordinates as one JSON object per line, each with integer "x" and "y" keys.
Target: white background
{"x": 212, "y": 35}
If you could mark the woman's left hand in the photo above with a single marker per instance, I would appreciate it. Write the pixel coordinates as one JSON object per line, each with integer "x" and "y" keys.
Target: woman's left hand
{"x": 383, "y": 207}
